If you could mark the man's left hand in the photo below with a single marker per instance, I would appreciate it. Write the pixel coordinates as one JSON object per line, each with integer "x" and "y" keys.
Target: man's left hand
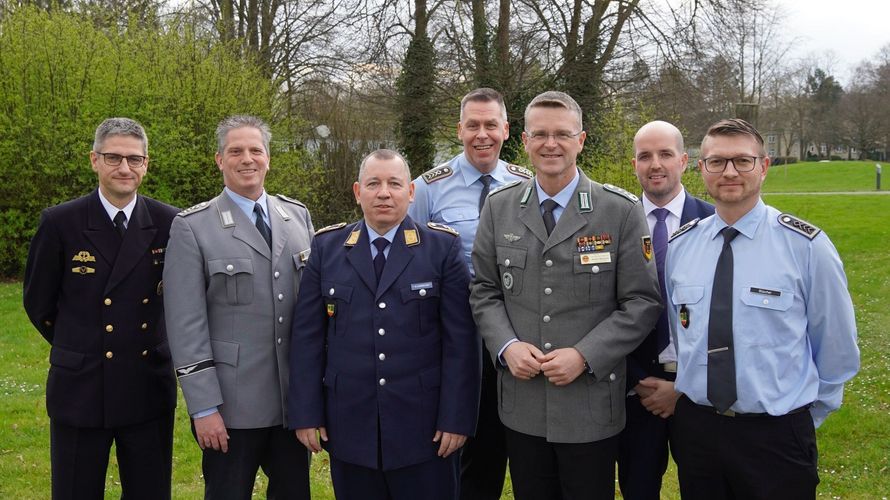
{"x": 562, "y": 366}
{"x": 448, "y": 442}
{"x": 663, "y": 401}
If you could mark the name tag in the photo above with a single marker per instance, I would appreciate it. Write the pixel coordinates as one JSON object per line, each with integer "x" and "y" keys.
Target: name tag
{"x": 421, "y": 286}
{"x": 596, "y": 258}
{"x": 764, "y": 291}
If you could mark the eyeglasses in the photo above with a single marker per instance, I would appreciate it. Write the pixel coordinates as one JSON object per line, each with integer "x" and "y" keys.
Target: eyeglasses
{"x": 716, "y": 164}
{"x": 114, "y": 159}
{"x": 558, "y": 137}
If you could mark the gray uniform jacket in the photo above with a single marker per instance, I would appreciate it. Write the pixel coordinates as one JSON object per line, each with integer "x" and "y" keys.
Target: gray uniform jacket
{"x": 229, "y": 303}
{"x": 590, "y": 285}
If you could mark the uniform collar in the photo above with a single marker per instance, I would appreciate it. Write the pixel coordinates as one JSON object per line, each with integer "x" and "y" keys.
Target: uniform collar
{"x": 563, "y": 197}
{"x": 470, "y": 174}
{"x": 246, "y": 204}
{"x": 747, "y": 225}
{"x": 389, "y": 235}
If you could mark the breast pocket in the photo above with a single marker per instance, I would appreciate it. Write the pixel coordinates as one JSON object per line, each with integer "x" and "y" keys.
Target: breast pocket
{"x": 337, "y": 300}
{"x": 231, "y": 281}
{"x": 692, "y": 312}
{"x": 761, "y": 304}
{"x": 454, "y": 215}
{"x": 421, "y": 300}
{"x": 594, "y": 282}
{"x": 511, "y": 264}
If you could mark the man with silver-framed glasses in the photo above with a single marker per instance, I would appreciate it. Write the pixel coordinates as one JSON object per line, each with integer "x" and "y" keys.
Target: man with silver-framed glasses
{"x": 765, "y": 333}
{"x": 93, "y": 290}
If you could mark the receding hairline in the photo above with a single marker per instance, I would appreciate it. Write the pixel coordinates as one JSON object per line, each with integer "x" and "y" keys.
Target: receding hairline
{"x": 484, "y": 95}
{"x": 383, "y": 155}
{"x": 661, "y": 126}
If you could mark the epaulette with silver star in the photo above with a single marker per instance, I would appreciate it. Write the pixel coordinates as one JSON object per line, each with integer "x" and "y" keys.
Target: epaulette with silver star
{"x": 443, "y": 171}
{"x": 442, "y": 227}
{"x": 621, "y": 191}
{"x": 330, "y": 228}
{"x": 290, "y": 200}
{"x": 685, "y": 228}
{"x": 799, "y": 226}
{"x": 194, "y": 209}
{"x": 504, "y": 187}
{"x": 520, "y": 171}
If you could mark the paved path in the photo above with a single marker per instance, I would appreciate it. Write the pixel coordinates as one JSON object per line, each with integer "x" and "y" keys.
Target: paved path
{"x": 833, "y": 193}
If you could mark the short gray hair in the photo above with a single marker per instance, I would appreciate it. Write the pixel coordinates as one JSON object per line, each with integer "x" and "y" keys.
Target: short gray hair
{"x": 120, "y": 126}
{"x": 239, "y": 121}
{"x": 383, "y": 154}
{"x": 555, "y": 99}
{"x": 484, "y": 94}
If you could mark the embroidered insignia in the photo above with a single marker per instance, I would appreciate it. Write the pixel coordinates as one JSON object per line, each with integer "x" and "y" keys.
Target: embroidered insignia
{"x": 620, "y": 191}
{"x": 84, "y": 256}
{"x": 83, "y": 270}
{"x": 411, "y": 237}
{"x": 194, "y": 209}
{"x": 443, "y": 171}
{"x": 684, "y": 316}
{"x": 226, "y": 218}
{"x": 290, "y": 200}
{"x": 512, "y": 238}
{"x": 282, "y": 212}
{"x": 194, "y": 368}
{"x": 331, "y": 310}
{"x": 330, "y": 228}
{"x": 520, "y": 171}
{"x": 647, "y": 247}
{"x": 799, "y": 226}
{"x": 353, "y": 238}
{"x": 584, "y": 202}
{"x": 443, "y": 228}
{"x": 304, "y": 255}
{"x": 526, "y": 196}
{"x": 684, "y": 228}
{"x": 507, "y": 279}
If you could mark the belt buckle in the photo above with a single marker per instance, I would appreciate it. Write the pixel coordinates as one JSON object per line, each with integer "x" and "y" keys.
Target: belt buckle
{"x": 727, "y": 413}
{"x": 670, "y": 367}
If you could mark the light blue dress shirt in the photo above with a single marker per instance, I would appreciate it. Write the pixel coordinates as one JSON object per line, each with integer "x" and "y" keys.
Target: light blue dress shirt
{"x": 372, "y": 235}
{"x": 454, "y": 200}
{"x": 561, "y": 198}
{"x": 794, "y": 331}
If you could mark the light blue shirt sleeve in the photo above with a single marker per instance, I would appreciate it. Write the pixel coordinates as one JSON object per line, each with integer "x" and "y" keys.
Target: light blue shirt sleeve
{"x": 205, "y": 413}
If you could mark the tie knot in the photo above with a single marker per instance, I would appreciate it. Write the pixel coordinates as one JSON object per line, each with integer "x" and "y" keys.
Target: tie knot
{"x": 486, "y": 180}
{"x": 661, "y": 214}
{"x": 729, "y": 234}
{"x": 549, "y": 204}
{"x": 120, "y": 218}
{"x": 381, "y": 243}
{"x": 258, "y": 209}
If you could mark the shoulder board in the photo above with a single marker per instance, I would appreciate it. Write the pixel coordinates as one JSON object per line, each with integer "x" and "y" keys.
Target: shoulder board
{"x": 194, "y": 209}
{"x": 332, "y": 227}
{"x": 684, "y": 228}
{"x": 620, "y": 191}
{"x": 799, "y": 226}
{"x": 290, "y": 200}
{"x": 520, "y": 171}
{"x": 442, "y": 227}
{"x": 505, "y": 187}
{"x": 443, "y": 171}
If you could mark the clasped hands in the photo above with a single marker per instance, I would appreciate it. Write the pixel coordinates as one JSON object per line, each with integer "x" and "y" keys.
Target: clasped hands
{"x": 560, "y": 366}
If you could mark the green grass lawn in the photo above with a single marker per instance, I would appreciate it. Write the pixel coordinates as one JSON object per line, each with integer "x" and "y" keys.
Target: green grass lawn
{"x": 854, "y": 443}
{"x": 832, "y": 176}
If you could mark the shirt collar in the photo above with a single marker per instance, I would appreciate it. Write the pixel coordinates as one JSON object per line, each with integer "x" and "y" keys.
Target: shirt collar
{"x": 112, "y": 210}
{"x": 389, "y": 235}
{"x": 563, "y": 197}
{"x": 246, "y": 204}
{"x": 675, "y": 206}
{"x": 747, "y": 225}
{"x": 471, "y": 174}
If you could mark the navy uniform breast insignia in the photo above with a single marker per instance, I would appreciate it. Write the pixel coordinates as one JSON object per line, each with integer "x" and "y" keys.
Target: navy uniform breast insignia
{"x": 443, "y": 228}
{"x": 799, "y": 226}
{"x": 620, "y": 191}
{"x": 83, "y": 256}
{"x": 330, "y": 228}
{"x": 443, "y": 171}
{"x": 83, "y": 270}
{"x": 520, "y": 171}
{"x": 647, "y": 247}
{"x": 684, "y": 228}
{"x": 193, "y": 209}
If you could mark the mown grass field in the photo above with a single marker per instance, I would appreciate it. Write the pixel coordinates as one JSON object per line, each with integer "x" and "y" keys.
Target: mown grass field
{"x": 832, "y": 176}
{"x": 854, "y": 443}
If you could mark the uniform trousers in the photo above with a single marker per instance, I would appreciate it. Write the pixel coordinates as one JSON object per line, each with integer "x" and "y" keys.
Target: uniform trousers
{"x": 231, "y": 475}
{"x": 541, "y": 470}
{"x": 79, "y": 458}
{"x": 744, "y": 457}
{"x": 434, "y": 479}
{"x": 483, "y": 461}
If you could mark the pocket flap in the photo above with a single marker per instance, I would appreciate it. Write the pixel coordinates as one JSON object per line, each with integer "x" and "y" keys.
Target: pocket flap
{"x": 331, "y": 290}
{"x": 224, "y": 352}
{"x": 230, "y": 266}
{"x": 456, "y": 214}
{"x": 776, "y": 299}
{"x": 65, "y": 358}
{"x": 687, "y": 294}
{"x": 420, "y": 290}
{"x": 511, "y": 257}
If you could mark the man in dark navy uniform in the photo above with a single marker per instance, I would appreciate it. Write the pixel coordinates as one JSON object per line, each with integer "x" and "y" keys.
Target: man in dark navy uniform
{"x": 93, "y": 290}
{"x": 385, "y": 361}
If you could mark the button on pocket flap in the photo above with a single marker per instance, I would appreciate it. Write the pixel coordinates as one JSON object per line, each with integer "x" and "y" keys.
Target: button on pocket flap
{"x": 420, "y": 290}
{"x": 456, "y": 214}
{"x": 777, "y": 299}
{"x": 331, "y": 290}
{"x": 224, "y": 352}
{"x": 230, "y": 266}
{"x": 65, "y": 358}
{"x": 687, "y": 294}
{"x": 511, "y": 257}
{"x": 431, "y": 379}
{"x": 593, "y": 262}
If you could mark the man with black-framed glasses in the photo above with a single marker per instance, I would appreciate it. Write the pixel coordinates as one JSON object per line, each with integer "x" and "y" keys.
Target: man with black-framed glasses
{"x": 93, "y": 290}
{"x": 763, "y": 323}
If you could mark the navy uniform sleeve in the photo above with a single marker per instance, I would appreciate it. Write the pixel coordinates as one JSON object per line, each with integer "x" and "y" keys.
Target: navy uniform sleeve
{"x": 43, "y": 277}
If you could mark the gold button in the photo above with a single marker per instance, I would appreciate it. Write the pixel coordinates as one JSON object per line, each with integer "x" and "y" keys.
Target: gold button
{"x": 144, "y": 353}
{"x": 109, "y": 328}
{"x": 107, "y": 302}
{"x": 145, "y": 300}
{"x": 109, "y": 354}
{"x": 145, "y": 326}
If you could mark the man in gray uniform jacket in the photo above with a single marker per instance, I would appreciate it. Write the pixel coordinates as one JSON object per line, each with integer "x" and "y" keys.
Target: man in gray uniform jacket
{"x": 565, "y": 288}
{"x": 232, "y": 276}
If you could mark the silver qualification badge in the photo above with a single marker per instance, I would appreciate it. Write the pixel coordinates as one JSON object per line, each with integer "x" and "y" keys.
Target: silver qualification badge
{"x": 508, "y": 281}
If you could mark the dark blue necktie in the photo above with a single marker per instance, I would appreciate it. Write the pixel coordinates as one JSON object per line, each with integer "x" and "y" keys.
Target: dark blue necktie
{"x": 380, "y": 260}
{"x": 486, "y": 188}
{"x": 120, "y": 220}
{"x": 721, "y": 353}
{"x": 660, "y": 245}
{"x": 261, "y": 225}
{"x": 549, "y": 219}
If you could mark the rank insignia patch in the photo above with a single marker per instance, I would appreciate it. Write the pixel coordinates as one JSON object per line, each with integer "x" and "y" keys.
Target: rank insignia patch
{"x": 647, "y": 247}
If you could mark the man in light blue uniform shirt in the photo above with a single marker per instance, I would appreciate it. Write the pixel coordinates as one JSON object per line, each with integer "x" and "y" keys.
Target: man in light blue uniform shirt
{"x": 745, "y": 427}
{"x": 453, "y": 194}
